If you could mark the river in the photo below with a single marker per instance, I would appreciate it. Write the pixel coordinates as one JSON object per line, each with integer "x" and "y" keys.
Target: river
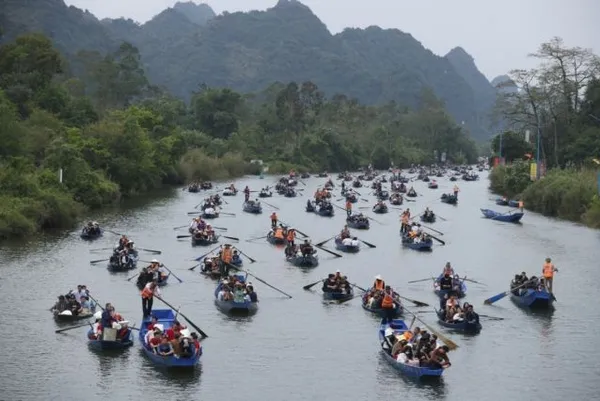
{"x": 299, "y": 348}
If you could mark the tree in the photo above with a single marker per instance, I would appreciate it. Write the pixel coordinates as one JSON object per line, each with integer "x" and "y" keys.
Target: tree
{"x": 514, "y": 146}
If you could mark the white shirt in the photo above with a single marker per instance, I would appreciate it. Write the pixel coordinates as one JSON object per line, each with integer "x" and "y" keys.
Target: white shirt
{"x": 209, "y": 210}
{"x": 402, "y": 358}
{"x": 354, "y": 242}
{"x": 95, "y": 327}
{"x": 347, "y": 242}
{"x": 221, "y": 295}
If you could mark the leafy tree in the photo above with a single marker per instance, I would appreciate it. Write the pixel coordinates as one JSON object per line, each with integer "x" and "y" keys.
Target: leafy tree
{"x": 514, "y": 146}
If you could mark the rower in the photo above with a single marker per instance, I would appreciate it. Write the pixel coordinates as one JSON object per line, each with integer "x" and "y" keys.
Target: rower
{"x": 246, "y": 193}
{"x": 448, "y": 269}
{"x": 348, "y": 207}
{"x": 345, "y": 233}
{"x": 347, "y": 241}
{"x": 291, "y": 236}
{"x": 306, "y": 248}
{"x": 226, "y": 254}
{"x": 378, "y": 284}
{"x": 456, "y": 191}
{"x": 273, "y": 220}
{"x": 236, "y": 258}
{"x": 446, "y": 283}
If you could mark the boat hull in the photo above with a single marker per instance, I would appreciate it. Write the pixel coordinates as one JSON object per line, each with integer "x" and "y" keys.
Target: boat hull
{"x": 428, "y": 219}
{"x": 534, "y": 299}
{"x": 125, "y": 265}
{"x": 275, "y": 241}
{"x": 304, "y": 261}
{"x": 505, "y": 218}
{"x": 199, "y": 241}
{"x": 253, "y": 209}
{"x": 358, "y": 225}
{"x": 338, "y": 296}
{"x": 380, "y": 210}
{"x": 449, "y": 199}
{"x": 232, "y": 307}
{"x": 91, "y": 235}
{"x": 424, "y": 246}
{"x": 101, "y": 345}
{"x": 465, "y": 327}
{"x": 346, "y": 248}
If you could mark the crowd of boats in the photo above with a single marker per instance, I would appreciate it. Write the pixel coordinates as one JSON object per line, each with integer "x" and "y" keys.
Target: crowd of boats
{"x": 418, "y": 351}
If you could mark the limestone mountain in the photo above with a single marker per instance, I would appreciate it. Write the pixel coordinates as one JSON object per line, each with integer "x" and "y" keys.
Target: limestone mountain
{"x": 188, "y": 45}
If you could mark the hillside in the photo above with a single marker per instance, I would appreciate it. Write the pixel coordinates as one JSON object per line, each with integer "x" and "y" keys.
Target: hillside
{"x": 187, "y": 45}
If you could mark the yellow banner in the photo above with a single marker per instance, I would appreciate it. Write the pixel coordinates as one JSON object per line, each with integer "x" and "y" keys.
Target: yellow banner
{"x": 533, "y": 171}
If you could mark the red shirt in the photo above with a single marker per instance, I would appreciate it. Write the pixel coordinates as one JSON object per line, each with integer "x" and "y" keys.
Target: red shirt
{"x": 197, "y": 345}
{"x": 170, "y": 333}
{"x": 154, "y": 341}
{"x": 151, "y": 326}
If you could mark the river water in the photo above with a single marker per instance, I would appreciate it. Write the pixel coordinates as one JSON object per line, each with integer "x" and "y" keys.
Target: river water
{"x": 300, "y": 348}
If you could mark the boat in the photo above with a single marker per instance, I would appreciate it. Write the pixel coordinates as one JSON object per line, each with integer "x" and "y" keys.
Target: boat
{"x": 432, "y": 185}
{"x": 513, "y": 203}
{"x": 357, "y": 184}
{"x": 322, "y": 175}
{"x": 380, "y": 208}
{"x": 534, "y": 299}
{"x": 304, "y": 175}
{"x": 418, "y": 246}
{"x": 109, "y": 341}
{"x": 470, "y": 177}
{"x": 383, "y": 195}
{"x": 194, "y": 188}
{"x": 464, "y": 326}
{"x": 68, "y": 316}
{"x": 462, "y": 288}
{"x": 502, "y": 202}
{"x": 290, "y": 192}
{"x": 338, "y": 296}
{"x": 453, "y": 178}
{"x": 450, "y": 199}
{"x": 232, "y": 307}
{"x": 412, "y": 194}
{"x": 428, "y": 218}
{"x": 230, "y": 192}
{"x": 346, "y": 248}
{"x": 200, "y": 240}
{"x": 356, "y": 223}
{"x": 503, "y": 217}
{"x": 265, "y": 194}
{"x": 398, "y": 327}
{"x": 398, "y": 310}
{"x": 90, "y": 233}
{"x": 165, "y": 318}
{"x": 252, "y": 207}
{"x": 210, "y": 213}
{"x": 123, "y": 263}
{"x": 206, "y": 185}
{"x": 396, "y": 199}
{"x": 351, "y": 197}
{"x": 303, "y": 261}
{"x": 274, "y": 240}
{"x": 325, "y": 209}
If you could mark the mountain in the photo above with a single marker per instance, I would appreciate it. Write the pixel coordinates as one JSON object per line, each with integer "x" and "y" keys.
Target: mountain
{"x": 188, "y": 45}
{"x": 504, "y": 84}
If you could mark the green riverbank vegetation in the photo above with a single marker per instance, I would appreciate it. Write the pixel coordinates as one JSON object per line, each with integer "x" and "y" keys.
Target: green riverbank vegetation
{"x": 560, "y": 100}
{"x": 113, "y": 134}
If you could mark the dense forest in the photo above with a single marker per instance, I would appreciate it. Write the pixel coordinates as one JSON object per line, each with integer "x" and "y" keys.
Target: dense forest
{"x": 248, "y": 51}
{"x": 559, "y": 104}
{"x": 114, "y": 134}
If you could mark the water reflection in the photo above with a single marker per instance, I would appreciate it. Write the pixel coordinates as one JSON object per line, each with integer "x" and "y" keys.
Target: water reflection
{"x": 389, "y": 380}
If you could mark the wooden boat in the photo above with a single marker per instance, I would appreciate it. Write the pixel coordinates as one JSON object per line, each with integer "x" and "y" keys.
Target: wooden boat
{"x": 303, "y": 261}
{"x": 252, "y": 207}
{"x": 232, "y": 307}
{"x": 210, "y": 214}
{"x": 412, "y": 194}
{"x": 109, "y": 341}
{"x": 199, "y": 240}
{"x": 398, "y": 310}
{"x": 123, "y": 263}
{"x": 346, "y": 248}
{"x": 464, "y": 326}
{"x": 432, "y": 185}
{"x": 462, "y": 288}
{"x": 428, "y": 218}
{"x": 503, "y": 217}
{"x": 90, "y": 234}
{"x": 165, "y": 318}
{"x": 338, "y": 296}
{"x": 418, "y": 246}
{"x": 383, "y": 195}
{"x": 230, "y": 192}
{"x": 534, "y": 299}
{"x": 398, "y": 327}
{"x": 325, "y": 210}
{"x": 194, "y": 188}
{"x": 68, "y": 316}
{"x": 380, "y": 209}
{"x": 290, "y": 193}
{"x": 274, "y": 240}
{"x": 396, "y": 199}
{"x": 265, "y": 194}
{"x": 450, "y": 199}
{"x": 353, "y": 222}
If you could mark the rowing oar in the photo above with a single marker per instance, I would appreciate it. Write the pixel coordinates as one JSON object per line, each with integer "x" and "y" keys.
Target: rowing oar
{"x": 254, "y": 239}
{"x": 134, "y": 276}
{"x": 203, "y": 334}
{"x": 228, "y": 214}
{"x": 180, "y": 227}
{"x": 260, "y": 279}
{"x": 184, "y": 236}
{"x": 449, "y": 343}
{"x": 72, "y": 327}
{"x": 93, "y": 262}
{"x": 249, "y": 258}
{"x": 199, "y": 258}
{"x": 309, "y": 286}
{"x": 194, "y": 213}
{"x": 419, "y": 281}
{"x": 473, "y": 281}
{"x": 173, "y": 274}
{"x": 289, "y": 225}
{"x": 320, "y": 244}
{"x": 491, "y": 317}
{"x": 268, "y": 204}
{"x": 154, "y": 251}
{"x": 231, "y": 238}
{"x": 498, "y": 297}
{"x": 100, "y": 249}
{"x": 112, "y": 232}
{"x": 432, "y": 229}
{"x": 414, "y": 301}
{"x": 437, "y": 239}
{"x": 368, "y": 244}
{"x": 337, "y": 255}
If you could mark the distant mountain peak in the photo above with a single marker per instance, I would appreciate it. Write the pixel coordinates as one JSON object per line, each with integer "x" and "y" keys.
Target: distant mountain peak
{"x": 199, "y": 14}
{"x": 292, "y": 4}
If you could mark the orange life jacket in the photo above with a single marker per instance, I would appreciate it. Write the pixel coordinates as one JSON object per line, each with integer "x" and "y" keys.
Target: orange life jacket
{"x": 388, "y": 301}
{"x": 274, "y": 217}
{"x": 348, "y": 205}
{"x": 147, "y": 293}
{"x": 279, "y": 233}
{"x": 379, "y": 284}
{"x": 226, "y": 255}
{"x": 548, "y": 270}
{"x": 404, "y": 219}
{"x": 291, "y": 235}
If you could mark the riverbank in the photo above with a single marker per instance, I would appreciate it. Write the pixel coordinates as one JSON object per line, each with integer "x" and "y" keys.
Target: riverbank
{"x": 568, "y": 194}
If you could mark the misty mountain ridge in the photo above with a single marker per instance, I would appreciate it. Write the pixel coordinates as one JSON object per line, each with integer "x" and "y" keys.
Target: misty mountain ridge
{"x": 188, "y": 44}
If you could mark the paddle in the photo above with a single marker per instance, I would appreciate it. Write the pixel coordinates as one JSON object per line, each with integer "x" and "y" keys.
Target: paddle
{"x": 337, "y": 255}
{"x": 180, "y": 227}
{"x": 203, "y": 334}
{"x": 194, "y": 213}
{"x": 93, "y": 262}
{"x": 268, "y": 204}
{"x": 228, "y": 214}
{"x": 112, "y": 232}
{"x": 154, "y": 251}
{"x": 309, "y": 286}
{"x": 419, "y": 281}
{"x": 220, "y": 228}
{"x": 184, "y": 236}
{"x": 498, "y": 297}
{"x": 449, "y": 343}
{"x": 199, "y": 258}
{"x": 415, "y": 302}
{"x": 437, "y": 239}
{"x": 260, "y": 279}
{"x": 491, "y": 317}
{"x": 72, "y": 327}
{"x": 254, "y": 239}
{"x": 368, "y": 244}
{"x": 473, "y": 281}
{"x": 432, "y": 229}
{"x": 231, "y": 238}
{"x": 100, "y": 249}
{"x": 173, "y": 274}
{"x": 249, "y": 258}
{"x": 298, "y": 231}
{"x": 320, "y": 244}
{"x": 441, "y": 217}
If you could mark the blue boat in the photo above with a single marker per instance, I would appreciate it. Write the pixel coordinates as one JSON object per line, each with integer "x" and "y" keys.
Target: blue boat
{"x": 534, "y": 299}
{"x": 462, "y": 289}
{"x": 397, "y": 328}
{"x": 232, "y": 307}
{"x": 123, "y": 263}
{"x": 338, "y": 296}
{"x": 111, "y": 344}
{"x": 252, "y": 207}
{"x": 509, "y": 217}
{"x": 398, "y": 310}
{"x": 346, "y": 248}
{"x": 464, "y": 326}
{"x": 165, "y": 317}
{"x": 356, "y": 223}
{"x": 408, "y": 242}
{"x": 501, "y": 202}
{"x": 88, "y": 233}
{"x": 450, "y": 199}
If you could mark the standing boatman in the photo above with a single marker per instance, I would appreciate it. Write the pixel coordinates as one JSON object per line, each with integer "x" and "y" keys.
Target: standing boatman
{"x": 456, "y": 191}
{"x": 148, "y": 293}
{"x": 548, "y": 271}
{"x": 348, "y": 207}
{"x": 521, "y": 205}
{"x": 273, "y": 220}
{"x": 246, "y": 194}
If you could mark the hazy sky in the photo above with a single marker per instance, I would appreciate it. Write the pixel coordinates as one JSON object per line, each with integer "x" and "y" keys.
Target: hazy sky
{"x": 498, "y": 34}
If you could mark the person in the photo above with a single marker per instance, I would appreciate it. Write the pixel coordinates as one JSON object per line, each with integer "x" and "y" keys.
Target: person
{"x": 456, "y": 191}
{"x": 448, "y": 269}
{"x": 345, "y": 233}
{"x": 446, "y": 282}
{"x": 387, "y": 305}
{"x": 148, "y": 293}
{"x": 521, "y": 206}
{"x": 309, "y": 205}
{"x": 226, "y": 254}
{"x": 470, "y": 315}
{"x": 343, "y": 186}
{"x": 144, "y": 278}
{"x": 378, "y": 284}
{"x": 347, "y": 241}
{"x": 405, "y": 218}
{"x": 548, "y": 271}
{"x": 438, "y": 358}
{"x": 246, "y": 194}
{"x": 349, "y": 208}
{"x": 291, "y": 236}
{"x": 306, "y": 248}
{"x": 250, "y": 294}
